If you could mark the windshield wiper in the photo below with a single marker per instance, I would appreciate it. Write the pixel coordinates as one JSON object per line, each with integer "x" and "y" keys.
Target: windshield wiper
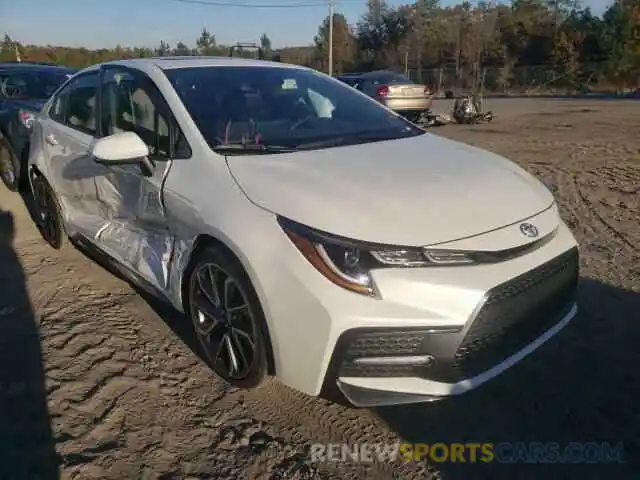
{"x": 250, "y": 149}
{"x": 330, "y": 142}
{"x": 355, "y": 139}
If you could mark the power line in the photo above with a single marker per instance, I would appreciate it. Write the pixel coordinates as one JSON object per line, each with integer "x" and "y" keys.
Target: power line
{"x": 222, "y": 3}
{"x": 276, "y": 4}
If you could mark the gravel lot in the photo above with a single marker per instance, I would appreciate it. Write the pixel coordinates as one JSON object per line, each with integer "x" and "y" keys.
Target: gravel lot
{"x": 97, "y": 381}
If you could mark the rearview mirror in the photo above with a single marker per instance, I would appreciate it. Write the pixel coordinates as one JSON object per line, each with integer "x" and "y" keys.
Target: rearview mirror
{"x": 123, "y": 148}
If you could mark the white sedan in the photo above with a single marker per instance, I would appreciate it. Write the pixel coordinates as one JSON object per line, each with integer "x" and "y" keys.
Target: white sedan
{"x": 307, "y": 231}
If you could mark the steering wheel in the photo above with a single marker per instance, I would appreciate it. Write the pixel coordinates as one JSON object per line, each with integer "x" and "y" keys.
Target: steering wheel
{"x": 9, "y": 90}
{"x": 308, "y": 117}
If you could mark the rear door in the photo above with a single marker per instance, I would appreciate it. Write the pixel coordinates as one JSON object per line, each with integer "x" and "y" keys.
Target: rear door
{"x": 67, "y": 132}
{"x": 134, "y": 227}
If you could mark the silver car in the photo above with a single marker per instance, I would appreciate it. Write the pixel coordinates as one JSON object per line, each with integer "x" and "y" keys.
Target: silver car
{"x": 303, "y": 229}
{"x": 396, "y": 91}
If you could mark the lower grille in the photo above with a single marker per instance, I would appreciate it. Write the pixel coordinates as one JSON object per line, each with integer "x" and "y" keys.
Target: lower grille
{"x": 383, "y": 344}
{"x": 516, "y": 313}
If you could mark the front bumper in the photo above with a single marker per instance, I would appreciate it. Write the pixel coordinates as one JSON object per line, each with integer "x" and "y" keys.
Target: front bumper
{"x": 310, "y": 319}
{"x": 393, "y": 365}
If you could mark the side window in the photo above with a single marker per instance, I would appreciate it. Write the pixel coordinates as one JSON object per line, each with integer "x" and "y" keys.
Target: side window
{"x": 76, "y": 105}
{"x": 131, "y": 102}
{"x": 57, "y": 109}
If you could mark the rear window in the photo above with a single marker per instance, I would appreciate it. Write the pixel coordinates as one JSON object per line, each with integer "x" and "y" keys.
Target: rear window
{"x": 389, "y": 77}
{"x": 349, "y": 80}
{"x": 22, "y": 85}
{"x": 281, "y": 106}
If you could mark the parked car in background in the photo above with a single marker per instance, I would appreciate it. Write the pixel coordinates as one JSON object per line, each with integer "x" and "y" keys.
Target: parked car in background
{"x": 305, "y": 231}
{"x": 350, "y": 79}
{"x": 396, "y": 91}
{"x": 24, "y": 88}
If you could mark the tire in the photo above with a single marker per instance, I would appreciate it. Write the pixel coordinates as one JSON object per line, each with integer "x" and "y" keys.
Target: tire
{"x": 226, "y": 335}
{"x": 9, "y": 165}
{"x": 413, "y": 117}
{"x": 49, "y": 217}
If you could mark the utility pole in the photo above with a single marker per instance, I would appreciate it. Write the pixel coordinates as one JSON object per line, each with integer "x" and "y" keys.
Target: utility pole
{"x": 458, "y": 35}
{"x": 332, "y": 6}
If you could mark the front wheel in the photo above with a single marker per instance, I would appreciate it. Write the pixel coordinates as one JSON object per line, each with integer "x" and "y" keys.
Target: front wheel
{"x": 228, "y": 319}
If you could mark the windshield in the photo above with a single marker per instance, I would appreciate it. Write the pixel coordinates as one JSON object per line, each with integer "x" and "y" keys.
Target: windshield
{"x": 23, "y": 85}
{"x": 284, "y": 107}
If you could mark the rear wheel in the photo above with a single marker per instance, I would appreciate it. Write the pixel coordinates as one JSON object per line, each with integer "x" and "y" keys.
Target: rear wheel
{"x": 228, "y": 319}
{"x": 9, "y": 165}
{"x": 413, "y": 117}
{"x": 49, "y": 217}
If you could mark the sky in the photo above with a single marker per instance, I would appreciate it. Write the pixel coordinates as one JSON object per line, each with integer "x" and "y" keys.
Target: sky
{"x": 100, "y": 23}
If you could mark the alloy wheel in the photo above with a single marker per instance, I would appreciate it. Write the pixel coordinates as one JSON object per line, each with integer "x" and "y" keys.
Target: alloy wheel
{"x": 223, "y": 321}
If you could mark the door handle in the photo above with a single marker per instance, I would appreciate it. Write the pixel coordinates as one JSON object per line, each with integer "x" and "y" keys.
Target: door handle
{"x": 51, "y": 139}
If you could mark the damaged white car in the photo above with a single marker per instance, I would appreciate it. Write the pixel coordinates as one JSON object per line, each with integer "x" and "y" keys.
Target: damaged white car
{"x": 307, "y": 231}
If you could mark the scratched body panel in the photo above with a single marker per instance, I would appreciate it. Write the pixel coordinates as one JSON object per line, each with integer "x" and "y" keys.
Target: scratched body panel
{"x": 134, "y": 228}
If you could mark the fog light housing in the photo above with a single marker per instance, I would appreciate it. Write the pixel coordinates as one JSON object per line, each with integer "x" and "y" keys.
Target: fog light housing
{"x": 413, "y": 361}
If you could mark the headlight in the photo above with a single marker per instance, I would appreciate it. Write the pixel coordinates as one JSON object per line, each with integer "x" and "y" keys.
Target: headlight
{"x": 348, "y": 263}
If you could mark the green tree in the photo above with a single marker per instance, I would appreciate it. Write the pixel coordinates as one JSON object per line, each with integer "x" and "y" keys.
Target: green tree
{"x": 181, "y": 50}
{"x": 344, "y": 44}
{"x": 265, "y": 44}
{"x": 163, "y": 50}
{"x": 206, "y": 43}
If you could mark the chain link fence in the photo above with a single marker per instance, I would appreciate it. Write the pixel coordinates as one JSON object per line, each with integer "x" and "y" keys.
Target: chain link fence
{"x": 534, "y": 80}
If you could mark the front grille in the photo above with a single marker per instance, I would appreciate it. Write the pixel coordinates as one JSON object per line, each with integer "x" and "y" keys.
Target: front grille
{"x": 516, "y": 313}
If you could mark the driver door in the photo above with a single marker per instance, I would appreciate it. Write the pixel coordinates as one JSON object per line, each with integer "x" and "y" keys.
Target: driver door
{"x": 134, "y": 227}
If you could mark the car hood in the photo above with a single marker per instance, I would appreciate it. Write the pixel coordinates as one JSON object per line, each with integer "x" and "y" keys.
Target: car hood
{"x": 33, "y": 105}
{"x": 415, "y": 191}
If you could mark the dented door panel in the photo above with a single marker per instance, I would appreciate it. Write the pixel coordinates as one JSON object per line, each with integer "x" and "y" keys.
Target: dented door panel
{"x": 134, "y": 229}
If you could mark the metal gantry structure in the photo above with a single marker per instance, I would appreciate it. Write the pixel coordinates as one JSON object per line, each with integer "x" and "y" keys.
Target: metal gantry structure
{"x": 278, "y": 4}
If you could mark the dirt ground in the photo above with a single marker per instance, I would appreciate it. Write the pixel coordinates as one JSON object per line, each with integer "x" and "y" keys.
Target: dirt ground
{"x": 97, "y": 381}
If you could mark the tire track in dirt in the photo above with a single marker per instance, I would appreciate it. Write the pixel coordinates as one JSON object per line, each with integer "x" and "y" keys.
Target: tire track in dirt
{"x": 105, "y": 363}
{"x": 327, "y": 422}
{"x": 593, "y": 212}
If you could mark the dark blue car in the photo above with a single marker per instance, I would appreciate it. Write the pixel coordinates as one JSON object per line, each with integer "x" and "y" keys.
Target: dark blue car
{"x": 24, "y": 89}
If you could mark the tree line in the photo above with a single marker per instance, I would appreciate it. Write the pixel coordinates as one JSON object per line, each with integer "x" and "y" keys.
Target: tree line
{"x": 566, "y": 42}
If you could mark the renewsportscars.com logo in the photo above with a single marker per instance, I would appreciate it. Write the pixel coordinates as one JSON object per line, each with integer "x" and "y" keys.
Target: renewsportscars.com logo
{"x": 503, "y": 452}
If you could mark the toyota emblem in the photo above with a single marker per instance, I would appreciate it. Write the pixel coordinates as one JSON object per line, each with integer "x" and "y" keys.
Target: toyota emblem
{"x": 529, "y": 230}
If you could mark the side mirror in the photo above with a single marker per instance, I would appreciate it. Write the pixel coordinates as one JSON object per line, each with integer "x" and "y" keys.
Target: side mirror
{"x": 125, "y": 148}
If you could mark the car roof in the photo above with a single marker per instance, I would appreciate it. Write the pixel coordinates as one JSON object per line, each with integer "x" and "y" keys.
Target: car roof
{"x": 170, "y": 63}
{"x": 381, "y": 72}
{"x": 32, "y": 67}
